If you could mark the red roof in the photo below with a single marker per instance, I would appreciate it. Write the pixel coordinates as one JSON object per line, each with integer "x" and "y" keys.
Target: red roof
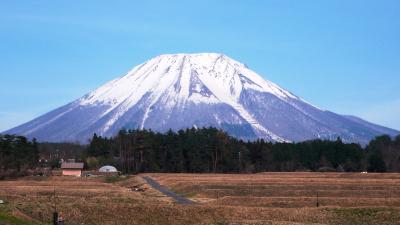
{"x": 67, "y": 165}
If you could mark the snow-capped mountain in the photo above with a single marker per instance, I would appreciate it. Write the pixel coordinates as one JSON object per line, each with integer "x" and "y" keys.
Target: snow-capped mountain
{"x": 180, "y": 91}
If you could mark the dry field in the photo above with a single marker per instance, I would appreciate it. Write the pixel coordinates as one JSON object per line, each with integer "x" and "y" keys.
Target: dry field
{"x": 343, "y": 198}
{"x": 268, "y": 198}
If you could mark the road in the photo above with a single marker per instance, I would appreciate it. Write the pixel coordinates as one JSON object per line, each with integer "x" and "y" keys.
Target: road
{"x": 177, "y": 198}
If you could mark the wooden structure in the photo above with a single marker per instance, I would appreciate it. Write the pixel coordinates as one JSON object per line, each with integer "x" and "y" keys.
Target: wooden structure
{"x": 71, "y": 169}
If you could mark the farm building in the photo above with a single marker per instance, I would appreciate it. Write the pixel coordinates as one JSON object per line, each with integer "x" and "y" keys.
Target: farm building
{"x": 108, "y": 169}
{"x": 71, "y": 169}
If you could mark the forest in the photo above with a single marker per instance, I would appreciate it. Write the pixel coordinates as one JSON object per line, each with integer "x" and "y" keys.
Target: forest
{"x": 17, "y": 155}
{"x": 206, "y": 150}
{"x": 209, "y": 150}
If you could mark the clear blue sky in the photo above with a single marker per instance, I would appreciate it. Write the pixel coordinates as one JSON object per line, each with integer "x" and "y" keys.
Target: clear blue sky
{"x": 340, "y": 55}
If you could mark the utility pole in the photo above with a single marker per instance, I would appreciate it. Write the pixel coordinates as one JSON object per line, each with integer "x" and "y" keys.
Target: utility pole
{"x": 55, "y": 213}
{"x": 240, "y": 163}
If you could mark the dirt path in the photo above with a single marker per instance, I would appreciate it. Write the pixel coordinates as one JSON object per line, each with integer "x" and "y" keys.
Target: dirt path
{"x": 177, "y": 198}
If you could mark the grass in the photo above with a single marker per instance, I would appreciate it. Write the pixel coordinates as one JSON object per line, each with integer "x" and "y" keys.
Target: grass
{"x": 342, "y": 197}
{"x": 6, "y": 218}
{"x": 185, "y": 194}
{"x": 365, "y": 216}
{"x": 267, "y": 198}
{"x": 114, "y": 179}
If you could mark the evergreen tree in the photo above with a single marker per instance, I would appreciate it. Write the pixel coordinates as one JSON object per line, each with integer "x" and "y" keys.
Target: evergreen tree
{"x": 376, "y": 163}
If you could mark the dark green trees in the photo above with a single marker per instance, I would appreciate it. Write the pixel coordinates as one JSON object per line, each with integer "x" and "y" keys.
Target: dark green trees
{"x": 206, "y": 150}
{"x": 384, "y": 154}
{"x": 17, "y": 154}
{"x": 210, "y": 150}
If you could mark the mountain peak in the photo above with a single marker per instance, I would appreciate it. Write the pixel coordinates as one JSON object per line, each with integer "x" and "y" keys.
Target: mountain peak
{"x": 224, "y": 77}
{"x": 177, "y": 91}
{"x": 194, "y": 55}
{"x": 205, "y": 59}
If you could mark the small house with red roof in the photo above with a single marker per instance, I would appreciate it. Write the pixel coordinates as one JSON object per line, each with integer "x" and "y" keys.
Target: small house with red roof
{"x": 71, "y": 168}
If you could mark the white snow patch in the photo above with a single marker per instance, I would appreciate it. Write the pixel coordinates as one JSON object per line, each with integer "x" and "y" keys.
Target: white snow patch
{"x": 168, "y": 77}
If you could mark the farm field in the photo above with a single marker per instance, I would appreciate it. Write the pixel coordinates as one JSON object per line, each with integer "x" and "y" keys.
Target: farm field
{"x": 265, "y": 198}
{"x": 291, "y": 198}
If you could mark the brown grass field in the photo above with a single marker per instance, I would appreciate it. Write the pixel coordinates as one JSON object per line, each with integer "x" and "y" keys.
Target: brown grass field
{"x": 265, "y": 198}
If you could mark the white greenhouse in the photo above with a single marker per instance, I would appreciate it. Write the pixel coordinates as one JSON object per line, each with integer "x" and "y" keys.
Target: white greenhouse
{"x": 108, "y": 169}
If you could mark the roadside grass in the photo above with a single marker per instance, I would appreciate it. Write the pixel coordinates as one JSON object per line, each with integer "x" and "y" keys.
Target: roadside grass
{"x": 185, "y": 194}
{"x": 114, "y": 179}
{"x": 365, "y": 216}
{"x": 189, "y": 195}
{"x": 6, "y": 218}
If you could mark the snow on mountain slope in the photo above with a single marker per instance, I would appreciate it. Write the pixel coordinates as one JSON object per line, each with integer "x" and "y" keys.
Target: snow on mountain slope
{"x": 180, "y": 91}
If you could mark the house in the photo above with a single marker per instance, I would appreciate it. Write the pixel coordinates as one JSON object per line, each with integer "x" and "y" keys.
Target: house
{"x": 71, "y": 168}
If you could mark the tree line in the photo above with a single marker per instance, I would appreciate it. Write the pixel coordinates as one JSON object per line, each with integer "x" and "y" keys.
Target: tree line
{"x": 209, "y": 150}
{"x": 206, "y": 150}
{"x": 17, "y": 154}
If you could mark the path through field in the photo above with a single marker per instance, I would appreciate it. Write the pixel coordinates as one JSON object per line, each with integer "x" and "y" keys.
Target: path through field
{"x": 177, "y": 198}
{"x": 288, "y": 190}
{"x": 265, "y": 198}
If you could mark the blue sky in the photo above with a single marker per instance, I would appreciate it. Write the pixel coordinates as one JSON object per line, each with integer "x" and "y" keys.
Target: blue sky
{"x": 339, "y": 55}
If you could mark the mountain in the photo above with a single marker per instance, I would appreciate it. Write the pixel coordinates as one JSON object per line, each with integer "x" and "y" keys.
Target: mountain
{"x": 196, "y": 90}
